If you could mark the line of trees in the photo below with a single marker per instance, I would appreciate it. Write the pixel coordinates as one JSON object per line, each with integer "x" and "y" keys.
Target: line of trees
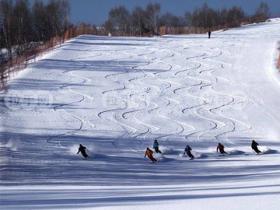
{"x": 142, "y": 21}
{"x": 23, "y": 25}
{"x": 25, "y": 29}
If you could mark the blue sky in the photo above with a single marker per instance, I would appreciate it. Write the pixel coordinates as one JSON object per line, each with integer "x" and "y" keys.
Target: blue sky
{"x": 96, "y": 11}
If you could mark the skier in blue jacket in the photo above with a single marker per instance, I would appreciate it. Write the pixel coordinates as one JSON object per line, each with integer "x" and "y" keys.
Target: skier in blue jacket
{"x": 156, "y": 147}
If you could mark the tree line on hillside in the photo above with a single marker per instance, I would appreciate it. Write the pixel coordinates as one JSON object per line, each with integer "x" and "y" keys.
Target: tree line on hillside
{"x": 23, "y": 25}
{"x": 25, "y": 28}
{"x": 143, "y": 21}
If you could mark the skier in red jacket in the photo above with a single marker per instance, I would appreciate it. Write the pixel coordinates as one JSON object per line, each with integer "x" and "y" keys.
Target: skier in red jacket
{"x": 149, "y": 153}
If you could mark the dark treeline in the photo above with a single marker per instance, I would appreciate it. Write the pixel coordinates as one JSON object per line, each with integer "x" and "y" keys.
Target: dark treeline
{"x": 143, "y": 21}
{"x": 25, "y": 28}
{"x": 23, "y": 25}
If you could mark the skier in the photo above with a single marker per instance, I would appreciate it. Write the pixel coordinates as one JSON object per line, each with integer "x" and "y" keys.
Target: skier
{"x": 221, "y": 148}
{"x": 188, "y": 150}
{"x": 155, "y": 146}
{"x": 149, "y": 153}
{"x": 254, "y": 146}
{"x": 209, "y": 34}
{"x": 82, "y": 149}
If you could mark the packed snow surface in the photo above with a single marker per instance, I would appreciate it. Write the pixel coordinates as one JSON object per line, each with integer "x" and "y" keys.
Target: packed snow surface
{"x": 116, "y": 95}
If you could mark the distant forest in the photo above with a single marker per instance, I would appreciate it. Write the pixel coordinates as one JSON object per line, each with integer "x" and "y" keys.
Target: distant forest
{"x": 26, "y": 30}
{"x": 149, "y": 20}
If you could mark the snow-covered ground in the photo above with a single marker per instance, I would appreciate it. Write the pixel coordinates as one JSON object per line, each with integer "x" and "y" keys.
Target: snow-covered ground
{"x": 116, "y": 95}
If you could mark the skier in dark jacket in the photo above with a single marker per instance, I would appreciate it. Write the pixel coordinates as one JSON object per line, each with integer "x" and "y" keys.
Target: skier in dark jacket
{"x": 209, "y": 34}
{"x": 221, "y": 148}
{"x": 156, "y": 147}
{"x": 82, "y": 149}
{"x": 254, "y": 146}
{"x": 188, "y": 150}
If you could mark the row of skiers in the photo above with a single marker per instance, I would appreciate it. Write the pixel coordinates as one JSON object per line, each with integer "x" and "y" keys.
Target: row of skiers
{"x": 188, "y": 150}
{"x": 82, "y": 150}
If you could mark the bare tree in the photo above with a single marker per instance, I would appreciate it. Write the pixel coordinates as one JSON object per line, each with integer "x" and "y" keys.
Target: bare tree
{"x": 58, "y": 15}
{"x": 205, "y": 17}
{"x": 119, "y": 17}
{"x": 152, "y": 12}
{"x": 188, "y": 19}
{"x": 22, "y": 31}
{"x": 50, "y": 20}
{"x": 262, "y": 12}
{"x": 7, "y": 12}
{"x": 139, "y": 21}
{"x": 235, "y": 16}
{"x": 108, "y": 25}
{"x": 170, "y": 20}
{"x": 41, "y": 23}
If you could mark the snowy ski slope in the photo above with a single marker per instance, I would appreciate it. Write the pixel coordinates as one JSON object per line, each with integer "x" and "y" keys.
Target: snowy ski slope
{"x": 116, "y": 95}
